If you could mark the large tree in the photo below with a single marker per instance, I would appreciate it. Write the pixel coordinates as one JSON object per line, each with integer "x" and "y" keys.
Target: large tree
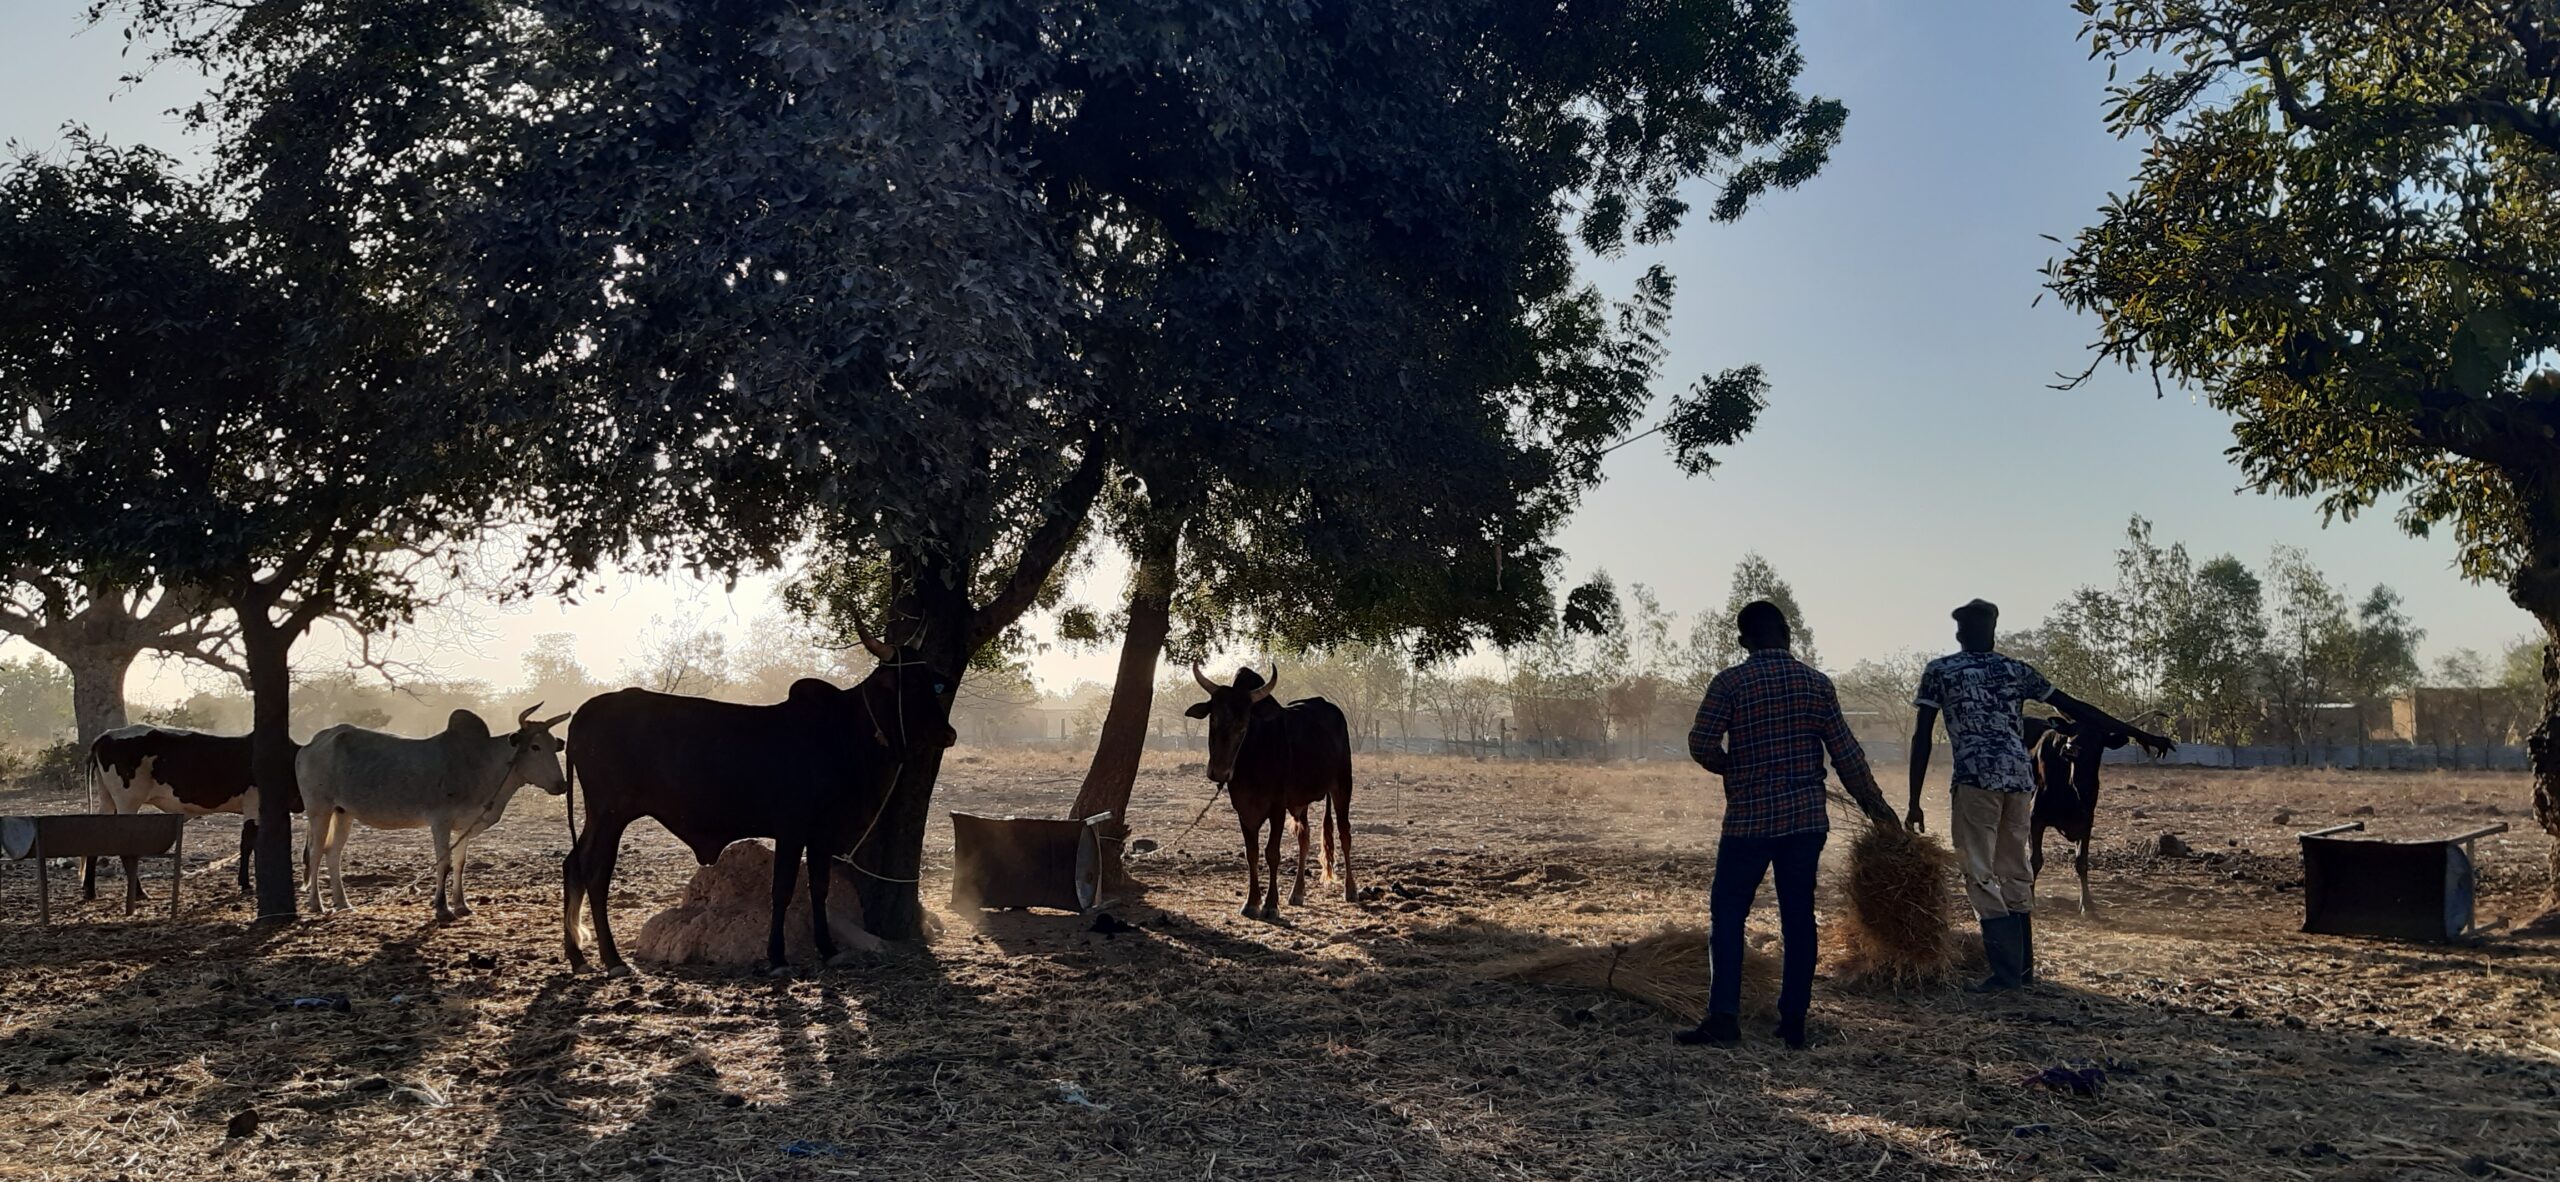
{"x": 2346, "y": 233}
{"x": 1371, "y": 441}
{"x": 912, "y": 278}
{"x": 222, "y": 388}
{"x": 97, "y": 630}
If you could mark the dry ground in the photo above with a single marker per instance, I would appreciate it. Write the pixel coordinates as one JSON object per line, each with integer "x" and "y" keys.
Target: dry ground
{"x": 1353, "y": 1042}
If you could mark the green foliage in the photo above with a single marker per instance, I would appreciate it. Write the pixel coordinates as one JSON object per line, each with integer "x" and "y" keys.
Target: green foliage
{"x": 1754, "y": 579}
{"x": 201, "y": 398}
{"x": 2345, "y": 232}
{"x": 35, "y": 700}
{"x": 1592, "y": 609}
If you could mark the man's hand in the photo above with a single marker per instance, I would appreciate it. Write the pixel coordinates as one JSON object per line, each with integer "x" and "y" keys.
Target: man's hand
{"x": 1717, "y": 761}
{"x": 1918, "y": 822}
{"x": 2157, "y": 745}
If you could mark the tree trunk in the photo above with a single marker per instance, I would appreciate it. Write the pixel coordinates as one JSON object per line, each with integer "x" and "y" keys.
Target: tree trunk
{"x": 1114, "y": 771}
{"x": 269, "y": 652}
{"x": 97, "y": 688}
{"x": 891, "y": 859}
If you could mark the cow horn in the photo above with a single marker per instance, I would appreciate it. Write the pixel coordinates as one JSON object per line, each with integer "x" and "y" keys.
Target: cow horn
{"x": 553, "y": 721}
{"x": 1269, "y": 683}
{"x": 1206, "y": 685}
{"x": 527, "y": 715}
{"x": 879, "y": 648}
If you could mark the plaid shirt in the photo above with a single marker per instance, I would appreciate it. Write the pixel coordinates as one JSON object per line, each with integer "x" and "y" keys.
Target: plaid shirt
{"x": 1780, "y": 715}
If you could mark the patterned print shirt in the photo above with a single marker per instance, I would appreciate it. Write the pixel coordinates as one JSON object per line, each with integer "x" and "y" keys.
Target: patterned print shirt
{"x": 1978, "y": 694}
{"x": 1780, "y": 715}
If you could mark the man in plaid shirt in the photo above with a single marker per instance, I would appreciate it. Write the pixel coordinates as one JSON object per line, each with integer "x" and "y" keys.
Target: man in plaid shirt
{"x": 1764, "y": 726}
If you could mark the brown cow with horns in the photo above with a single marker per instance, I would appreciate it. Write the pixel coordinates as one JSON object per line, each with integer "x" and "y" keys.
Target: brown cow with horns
{"x": 1275, "y": 761}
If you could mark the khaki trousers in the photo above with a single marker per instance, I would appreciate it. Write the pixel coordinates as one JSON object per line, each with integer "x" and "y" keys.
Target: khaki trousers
{"x": 1993, "y": 831}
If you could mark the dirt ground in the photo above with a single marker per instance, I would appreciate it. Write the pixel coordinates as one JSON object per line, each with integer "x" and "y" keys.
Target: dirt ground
{"x": 1355, "y": 1041}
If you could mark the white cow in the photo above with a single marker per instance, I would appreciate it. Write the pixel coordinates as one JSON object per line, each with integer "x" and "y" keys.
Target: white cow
{"x": 456, "y": 784}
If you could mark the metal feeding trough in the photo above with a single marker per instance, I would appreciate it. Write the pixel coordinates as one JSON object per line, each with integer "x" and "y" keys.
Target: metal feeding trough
{"x": 1026, "y": 862}
{"x": 2402, "y": 890}
{"x": 94, "y": 835}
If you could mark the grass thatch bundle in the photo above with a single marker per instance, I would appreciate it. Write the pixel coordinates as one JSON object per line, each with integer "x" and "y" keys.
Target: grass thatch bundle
{"x": 1667, "y": 970}
{"x": 1896, "y": 933}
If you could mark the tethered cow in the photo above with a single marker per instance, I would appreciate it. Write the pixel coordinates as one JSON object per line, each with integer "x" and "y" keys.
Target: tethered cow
{"x": 1275, "y": 761}
{"x": 456, "y": 784}
{"x": 176, "y": 771}
{"x": 813, "y": 773}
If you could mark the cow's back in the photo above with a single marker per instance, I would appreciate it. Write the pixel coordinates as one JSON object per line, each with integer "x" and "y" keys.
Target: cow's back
{"x": 363, "y": 768}
{"x": 1294, "y": 756}
{"x": 713, "y": 772}
{"x": 202, "y": 772}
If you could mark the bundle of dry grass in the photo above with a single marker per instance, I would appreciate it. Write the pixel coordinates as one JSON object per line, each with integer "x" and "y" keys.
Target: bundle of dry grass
{"x": 727, "y": 909}
{"x": 1667, "y": 970}
{"x": 1896, "y": 934}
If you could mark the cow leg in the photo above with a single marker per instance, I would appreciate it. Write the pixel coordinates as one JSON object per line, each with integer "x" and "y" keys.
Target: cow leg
{"x": 786, "y": 865}
{"x": 444, "y": 867}
{"x": 573, "y": 888}
{"x": 1298, "y": 893}
{"x": 461, "y": 897}
{"x": 2081, "y": 864}
{"x": 1341, "y": 816}
{"x": 342, "y": 825}
{"x": 248, "y": 846}
{"x": 315, "y": 843}
{"x": 605, "y": 845}
{"x": 132, "y": 883}
{"x": 820, "y": 870}
{"x": 1271, "y": 856}
{"x": 1252, "y": 866}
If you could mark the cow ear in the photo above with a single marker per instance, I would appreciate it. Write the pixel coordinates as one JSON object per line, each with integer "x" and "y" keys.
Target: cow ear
{"x": 1197, "y": 710}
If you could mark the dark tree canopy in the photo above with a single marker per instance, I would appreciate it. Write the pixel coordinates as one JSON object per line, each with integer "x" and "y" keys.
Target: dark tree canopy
{"x": 911, "y": 278}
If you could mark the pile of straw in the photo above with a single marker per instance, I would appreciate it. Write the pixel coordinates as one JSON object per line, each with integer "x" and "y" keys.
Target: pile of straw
{"x": 727, "y": 912}
{"x": 1896, "y": 934}
{"x": 1667, "y": 970}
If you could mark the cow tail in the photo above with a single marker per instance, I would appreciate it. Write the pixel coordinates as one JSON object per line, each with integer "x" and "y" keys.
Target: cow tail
{"x": 569, "y": 798}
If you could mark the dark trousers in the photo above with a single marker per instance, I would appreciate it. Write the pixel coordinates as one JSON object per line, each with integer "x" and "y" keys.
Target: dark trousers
{"x": 1741, "y": 862}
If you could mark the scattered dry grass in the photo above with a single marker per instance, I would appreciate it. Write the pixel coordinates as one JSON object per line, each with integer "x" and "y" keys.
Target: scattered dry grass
{"x": 1350, "y": 1042}
{"x": 1667, "y": 970}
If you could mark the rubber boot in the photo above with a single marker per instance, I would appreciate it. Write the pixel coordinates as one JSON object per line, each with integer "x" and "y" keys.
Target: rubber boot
{"x": 1791, "y": 1030}
{"x": 2026, "y": 945}
{"x": 2004, "y": 948}
{"x": 1717, "y": 1030}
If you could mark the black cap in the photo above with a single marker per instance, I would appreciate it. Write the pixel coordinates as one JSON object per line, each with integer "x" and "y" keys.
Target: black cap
{"x": 1979, "y": 611}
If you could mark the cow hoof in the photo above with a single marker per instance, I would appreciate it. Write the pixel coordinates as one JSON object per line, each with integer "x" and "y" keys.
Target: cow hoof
{"x": 617, "y": 969}
{"x": 780, "y": 972}
{"x": 1250, "y": 912}
{"x": 462, "y": 913}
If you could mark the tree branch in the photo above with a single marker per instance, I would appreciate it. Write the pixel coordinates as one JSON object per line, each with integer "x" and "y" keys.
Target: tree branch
{"x": 1044, "y": 549}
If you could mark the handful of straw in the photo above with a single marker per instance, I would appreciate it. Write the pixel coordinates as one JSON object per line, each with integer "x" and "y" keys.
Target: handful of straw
{"x": 1897, "y": 930}
{"x": 1667, "y": 970}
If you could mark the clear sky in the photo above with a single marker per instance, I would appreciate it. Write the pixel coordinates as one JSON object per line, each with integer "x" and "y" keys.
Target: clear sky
{"x": 1912, "y": 456}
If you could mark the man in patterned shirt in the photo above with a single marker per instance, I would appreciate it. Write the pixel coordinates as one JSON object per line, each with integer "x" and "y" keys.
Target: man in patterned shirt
{"x": 1979, "y": 692}
{"x": 1764, "y": 726}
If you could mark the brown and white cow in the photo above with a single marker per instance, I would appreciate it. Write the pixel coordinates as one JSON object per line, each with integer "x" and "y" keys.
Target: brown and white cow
{"x": 176, "y": 771}
{"x": 1275, "y": 761}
